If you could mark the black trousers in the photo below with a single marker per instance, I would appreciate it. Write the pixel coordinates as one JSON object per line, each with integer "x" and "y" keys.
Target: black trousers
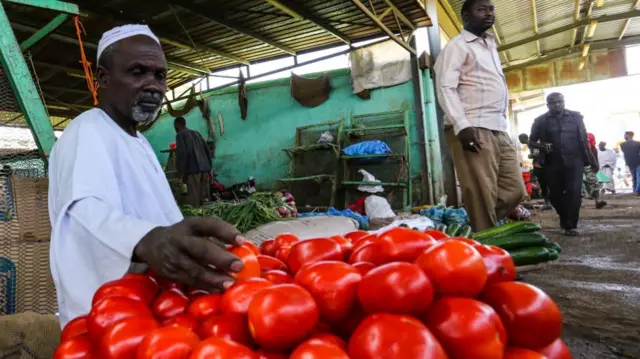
{"x": 565, "y": 192}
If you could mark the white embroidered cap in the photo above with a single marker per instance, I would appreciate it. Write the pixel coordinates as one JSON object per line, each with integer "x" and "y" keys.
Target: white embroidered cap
{"x": 122, "y": 32}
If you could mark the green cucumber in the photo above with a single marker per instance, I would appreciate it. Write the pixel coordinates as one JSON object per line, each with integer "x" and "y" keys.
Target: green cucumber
{"x": 453, "y": 229}
{"x": 507, "y": 229}
{"x": 553, "y": 254}
{"x": 531, "y": 255}
{"x": 517, "y": 241}
{"x": 465, "y": 232}
{"x": 441, "y": 227}
{"x": 553, "y": 245}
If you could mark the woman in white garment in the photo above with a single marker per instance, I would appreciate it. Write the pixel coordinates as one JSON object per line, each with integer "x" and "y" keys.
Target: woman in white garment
{"x": 607, "y": 159}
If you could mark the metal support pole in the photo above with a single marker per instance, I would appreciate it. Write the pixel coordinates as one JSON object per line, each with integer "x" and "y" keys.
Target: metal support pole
{"x": 17, "y": 71}
{"x": 448, "y": 171}
{"x": 46, "y": 30}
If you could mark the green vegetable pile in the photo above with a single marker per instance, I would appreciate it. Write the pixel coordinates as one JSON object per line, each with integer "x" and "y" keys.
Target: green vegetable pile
{"x": 259, "y": 209}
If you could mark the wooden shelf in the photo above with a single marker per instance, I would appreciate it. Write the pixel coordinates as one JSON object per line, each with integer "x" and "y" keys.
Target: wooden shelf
{"x": 318, "y": 178}
{"x": 383, "y": 184}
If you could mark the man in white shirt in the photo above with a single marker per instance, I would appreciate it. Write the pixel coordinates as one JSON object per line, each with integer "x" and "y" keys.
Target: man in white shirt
{"x": 109, "y": 201}
{"x": 473, "y": 93}
{"x": 607, "y": 160}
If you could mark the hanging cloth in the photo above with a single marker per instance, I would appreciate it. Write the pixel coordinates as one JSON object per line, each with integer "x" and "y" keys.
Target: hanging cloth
{"x": 310, "y": 92}
{"x": 188, "y": 106}
{"x": 242, "y": 97}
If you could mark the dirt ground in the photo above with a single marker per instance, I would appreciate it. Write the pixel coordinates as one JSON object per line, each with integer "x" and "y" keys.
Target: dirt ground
{"x": 596, "y": 281}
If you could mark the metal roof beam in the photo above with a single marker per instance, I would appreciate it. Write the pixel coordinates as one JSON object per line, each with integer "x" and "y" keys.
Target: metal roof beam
{"x": 626, "y": 24}
{"x": 383, "y": 27}
{"x": 44, "y": 31}
{"x": 210, "y": 15}
{"x": 535, "y": 24}
{"x": 302, "y": 14}
{"x": 60, "y": 6}
{"x": 583, "y": 22}
{"x": 203, "y": 48}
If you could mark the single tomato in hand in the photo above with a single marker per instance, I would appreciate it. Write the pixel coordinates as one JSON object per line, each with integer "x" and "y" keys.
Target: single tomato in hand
{"x": 268, "y": 263}
{"x": 363, "y": 267}
{"x": 182, "y": 321}
{"x": 121, "y": 340}
{"x": 500, "y": 266}
{"x": 467, "y": 328}
{"x": 277, "y": 277}
{"x": 75, "y": 348}
{"x": 394, "y": 337}
{"x": 333, "y": 285}
{"x": 455, "y": 268}
{"x": 218, "y": 348}
{"x": 169, "y": 304}
{"x": 556, "y": 350}
{"x": 205, "y": 306}
{"x": 233, "y": 327}
{"x": 251, "y": 267}
{"x": 398, "y": 288}
{"x": 74, "y": 328}
{"x": 111, "y": 310}
{"x": 168, "y": 342}
{"x": 282, "y": 316}
{"x": 313, "y": 250}
{"x": 531, "y": 318}
{"x": 318, "y": 349}
{"x": 521, "y": 353}
{"x": 268, "y": 247}
{"x": 237, "y": 298}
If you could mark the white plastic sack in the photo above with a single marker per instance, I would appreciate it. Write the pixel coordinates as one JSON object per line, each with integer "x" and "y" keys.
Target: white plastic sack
{"x": 420, "y": 222}
{"x": 368, "y": 177}
{"x": 378, "y": 207}
{"x": 381, "y": 65}
{"x": 304, "y": 228}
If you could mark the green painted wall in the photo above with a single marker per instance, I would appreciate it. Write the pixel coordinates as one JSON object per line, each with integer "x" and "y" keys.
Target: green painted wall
{"x": 253, "y": 147}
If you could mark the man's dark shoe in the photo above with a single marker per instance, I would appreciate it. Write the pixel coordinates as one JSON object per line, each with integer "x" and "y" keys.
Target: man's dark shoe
{"x": 601, "y": 204}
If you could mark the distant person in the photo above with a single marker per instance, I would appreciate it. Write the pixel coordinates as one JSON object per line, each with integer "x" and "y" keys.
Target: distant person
{"x": 591, "y": 183}
{"x": 607, "y": 159}
{"x": 561, "y": 137}
{"x": 473, "y": 93}
{"x": 193, "y": 162}
{"x": 538, "y": 170}
{"x": 631, "y": 150}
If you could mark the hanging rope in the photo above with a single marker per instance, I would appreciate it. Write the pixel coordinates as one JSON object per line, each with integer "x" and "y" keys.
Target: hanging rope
{"x": 88, "y": 72}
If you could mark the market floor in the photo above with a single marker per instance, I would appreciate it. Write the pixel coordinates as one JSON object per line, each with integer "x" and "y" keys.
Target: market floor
{"x": 596, "y": 281}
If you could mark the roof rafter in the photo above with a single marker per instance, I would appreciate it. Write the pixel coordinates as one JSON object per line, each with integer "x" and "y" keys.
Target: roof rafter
{"x": 383, "y": 27}
{"x": 636, "y": 5}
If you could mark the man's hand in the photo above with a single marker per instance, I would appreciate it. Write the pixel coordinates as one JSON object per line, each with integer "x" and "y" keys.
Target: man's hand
{"x": 547, "y": 147}
{"x": 186, "y": 253}
{"x": 470, "y": 140}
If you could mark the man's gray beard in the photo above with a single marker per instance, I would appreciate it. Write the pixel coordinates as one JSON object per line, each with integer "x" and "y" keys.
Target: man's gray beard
{"x": 139, "y": 115}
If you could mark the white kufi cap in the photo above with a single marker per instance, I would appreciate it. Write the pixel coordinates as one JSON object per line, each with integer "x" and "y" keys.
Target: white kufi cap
{"x": 122, "y": 32}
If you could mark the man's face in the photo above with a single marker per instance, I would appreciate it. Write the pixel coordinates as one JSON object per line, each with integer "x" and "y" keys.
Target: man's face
{"x": 524, "y": 139}
{"x": 628, "y": 137}
{"x": 481, "y": 16}
{"x": 177, "y": 127}
{"x": 602, "y": 146}
{"x": 135, "y": 82}
{"x": 555, "y": 104}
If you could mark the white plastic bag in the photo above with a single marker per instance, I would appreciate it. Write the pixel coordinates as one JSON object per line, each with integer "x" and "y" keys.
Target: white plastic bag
{"x": 368, "y": 177}
{"x": 378, "y": 207}
{"x": 420, "y": 222}
{"x": 326, "y": 137}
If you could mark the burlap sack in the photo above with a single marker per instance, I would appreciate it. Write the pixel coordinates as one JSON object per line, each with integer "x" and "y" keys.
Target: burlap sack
{"x": 28, "y": 336}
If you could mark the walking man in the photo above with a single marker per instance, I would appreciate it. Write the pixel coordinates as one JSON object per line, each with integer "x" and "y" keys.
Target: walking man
{"x": 193, "y": 158}
{"x": 631, "y": 150}
{"x": 607, "y": 159}
{"x": 473, "y": 93}
{"x": 591, "y": 184}
{"x": 561, "y": 136}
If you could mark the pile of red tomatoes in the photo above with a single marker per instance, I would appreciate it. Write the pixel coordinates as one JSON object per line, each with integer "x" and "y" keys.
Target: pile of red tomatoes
{"x": 401, "y": 294}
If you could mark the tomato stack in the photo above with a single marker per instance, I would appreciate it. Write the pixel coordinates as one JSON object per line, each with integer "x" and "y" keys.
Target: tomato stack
{"x": 401, "y": 294}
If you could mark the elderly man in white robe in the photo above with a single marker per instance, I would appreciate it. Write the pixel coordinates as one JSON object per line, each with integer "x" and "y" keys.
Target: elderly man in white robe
{"x": 607, "y": 159}
{"x": 109, "y": 201}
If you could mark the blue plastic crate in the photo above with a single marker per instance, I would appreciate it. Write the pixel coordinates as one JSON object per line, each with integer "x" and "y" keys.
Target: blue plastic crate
{"x": 7, "y": 286}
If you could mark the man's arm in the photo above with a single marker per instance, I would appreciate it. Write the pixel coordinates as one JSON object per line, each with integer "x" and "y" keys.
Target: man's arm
{"x": 448, "y": 69}
{"x": 534, "y": 138}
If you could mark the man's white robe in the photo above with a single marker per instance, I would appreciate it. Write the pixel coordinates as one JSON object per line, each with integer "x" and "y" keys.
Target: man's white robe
{"x": 106, "y": 191}
{"x": 608, "y": 160}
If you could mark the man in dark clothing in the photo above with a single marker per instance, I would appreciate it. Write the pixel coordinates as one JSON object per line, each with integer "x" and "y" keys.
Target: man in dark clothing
{"x": 538, "y": 170}
{"x": 561, "y": 137}
{"x": 631, "y": 150}
{"x": 193, "y": 158}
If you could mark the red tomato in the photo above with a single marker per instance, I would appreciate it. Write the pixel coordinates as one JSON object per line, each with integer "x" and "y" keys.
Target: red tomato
{"x": 193, "y": 293}
{"x": 313, "y": 250}
{"x": 318, "y": 349}
{"x": 520, "y": 353}
{"x": 321, "y": 328}
{"x": 401, "y": 244}
{"x": 182, "y": 321}
{"x": 169, "y": 304}
{"x": 345, "y": 245}
{"x": 268, "y": 247}
{"x": 268, "y": 263}
{"x": 75, "y": 348}
{"x": 206, "y": 306}
{"x": 392, "y": 336}
{"x": 271, "y": 355}
{"x": 531, "y": 318}
{"x": 437, "y": 235}
{"x": 237, "y": 298}
{"x": 467, "y": 328}
{"x": 363, "y": 241}
{"x": 285, "y": 240}
{"x": 330, "y": 338}
{"x": 282, "y": 253}
{"x": 130, "y": 288}
{"x": 354, "y": 236}
{"x": 333, "y": 285}
{"x": 363, "y": 267}
{"x": 556, "y": 350}
{"x": 455, "y": 268}
{"x": 370, "y": 252}
{"x": 74, "y": 328}
{"x": 346, "y": 328}
{"x": 169, "y": 342}
{"x": 121, "y": 340}
{"x": 400, "y": 288}
{"x": 469, "y": 241}
{"x": 218, "y": 348}
{"x": 109, "y": 311}
{"x": 499, "y": 264}
{"x": 282, "y": 316}
{"x": 251, "y": 266}
{"x": 252, "y": 246}
{"x": 149, "y": 283}
{"x": 277, "y": 277}
{"x": 164, "y": 283}
{"x": 233, "y": 327}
